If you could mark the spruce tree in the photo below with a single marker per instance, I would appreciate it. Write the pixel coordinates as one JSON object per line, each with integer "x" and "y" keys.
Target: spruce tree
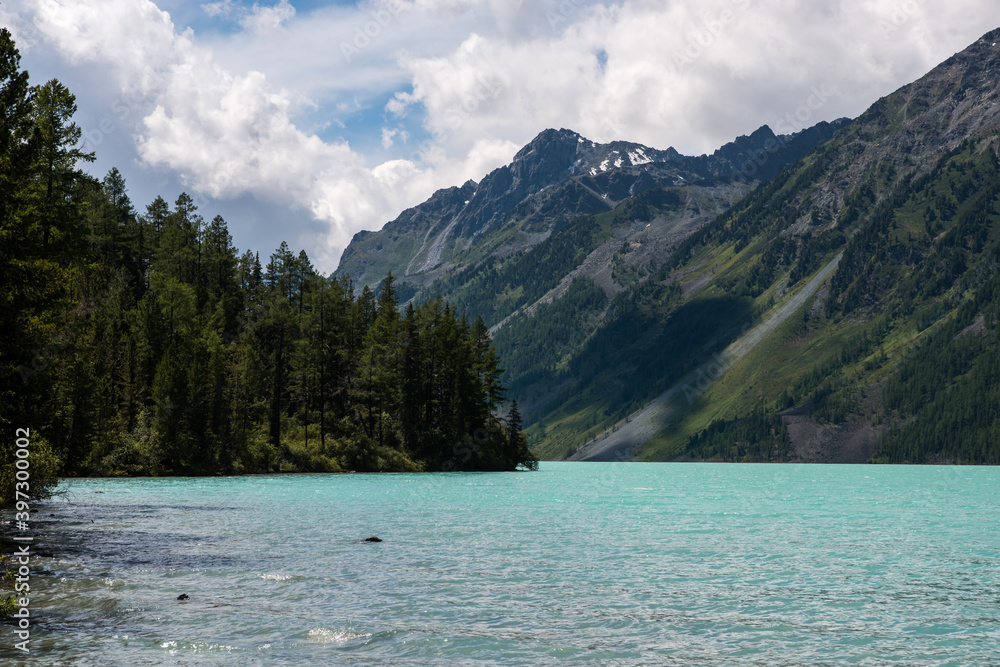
{"x": 53, "y": 109}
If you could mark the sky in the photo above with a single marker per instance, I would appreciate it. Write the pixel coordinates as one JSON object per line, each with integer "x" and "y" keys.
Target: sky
{"x": 307, "y": 121}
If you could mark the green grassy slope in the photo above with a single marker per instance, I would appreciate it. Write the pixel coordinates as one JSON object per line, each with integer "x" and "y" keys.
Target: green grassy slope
{"x": 892, "y": 360}
{"x": 883, "y": 346}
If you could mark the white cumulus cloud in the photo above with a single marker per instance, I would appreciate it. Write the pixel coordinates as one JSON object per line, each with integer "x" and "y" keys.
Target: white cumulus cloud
{"x": 226, "y": 113}
{"x": 265, "y": 19}
{"x": 690, "y": 74}
{"x": 227, "y": 134}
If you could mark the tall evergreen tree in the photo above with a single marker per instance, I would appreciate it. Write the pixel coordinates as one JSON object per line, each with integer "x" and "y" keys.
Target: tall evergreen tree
{"x": 53, "y": 110}
{"x": 20, "y": 143}
{"x": 31, "y": 282}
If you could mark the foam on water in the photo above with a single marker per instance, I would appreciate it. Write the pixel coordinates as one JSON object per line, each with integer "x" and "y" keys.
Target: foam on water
{"x": 334, "y": 636}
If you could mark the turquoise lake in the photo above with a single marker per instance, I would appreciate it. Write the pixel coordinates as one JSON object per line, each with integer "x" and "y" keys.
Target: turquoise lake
{"x": 578, "y": 563}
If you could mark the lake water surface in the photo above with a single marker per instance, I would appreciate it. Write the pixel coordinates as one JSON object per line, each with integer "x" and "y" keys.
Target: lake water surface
{"x": 578, "y": 563}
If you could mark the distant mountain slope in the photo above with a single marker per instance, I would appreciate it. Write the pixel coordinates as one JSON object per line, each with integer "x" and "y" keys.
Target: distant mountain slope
{"x": 543, "y": 246}
{"x": 843, "y": 309}
{"x": 895, "y": 358}
{"x": 555, "y": 179}
{"x": 619, "y": 442}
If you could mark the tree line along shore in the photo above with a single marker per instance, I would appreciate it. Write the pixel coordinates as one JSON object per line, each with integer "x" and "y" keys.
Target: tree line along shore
{"x": 144, "y": 343}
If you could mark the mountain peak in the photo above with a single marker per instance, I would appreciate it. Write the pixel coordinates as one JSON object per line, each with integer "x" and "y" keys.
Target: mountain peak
{"x": 552, "y": 134}
{"x": 989, "y": 40}
{"x": 558, "y": 176}
{"x": 547, "y": 139}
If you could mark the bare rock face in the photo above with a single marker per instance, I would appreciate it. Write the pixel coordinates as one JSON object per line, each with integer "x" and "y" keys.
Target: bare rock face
{"x": 832, "y": 443}
{"x": 556, "y": 178}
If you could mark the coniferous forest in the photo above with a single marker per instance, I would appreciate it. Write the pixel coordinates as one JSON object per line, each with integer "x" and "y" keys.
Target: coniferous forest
{"x": 139, "y": 341}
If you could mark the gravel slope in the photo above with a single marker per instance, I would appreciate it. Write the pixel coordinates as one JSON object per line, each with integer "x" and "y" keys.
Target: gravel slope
{"x": 620, "y": 442}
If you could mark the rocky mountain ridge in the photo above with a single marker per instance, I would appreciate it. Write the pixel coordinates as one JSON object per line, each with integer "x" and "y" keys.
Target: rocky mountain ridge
{"x": 555, "y": 178}
{"x": 656, "y": 306}
{"x": 899, "y": 214}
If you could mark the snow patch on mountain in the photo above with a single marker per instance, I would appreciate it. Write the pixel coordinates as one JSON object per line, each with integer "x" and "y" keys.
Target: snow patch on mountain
{"x": 638, "y": 157}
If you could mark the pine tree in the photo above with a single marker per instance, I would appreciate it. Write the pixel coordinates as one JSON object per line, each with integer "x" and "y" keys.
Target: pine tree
{"x": 487, "y": 365}
{"x": 20, "y": 142}
{"x": 178, "y": 249}
{"x": 517, "y": 452}
{"x": 382, "y": 359}
{"x": 53, "y": 109}
{"x": 155, "y": 219}
{"x": 31, "y": 282}
{"x": 410, "y": 382}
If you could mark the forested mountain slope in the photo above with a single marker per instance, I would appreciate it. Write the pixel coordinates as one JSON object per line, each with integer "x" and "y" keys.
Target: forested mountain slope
{"x": 665, "y": 293}
{"x": 895, "y": 357}
{"x": 549, "y": 248}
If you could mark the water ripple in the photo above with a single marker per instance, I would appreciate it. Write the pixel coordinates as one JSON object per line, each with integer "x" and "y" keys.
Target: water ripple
{"x": 608, "y": 564}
